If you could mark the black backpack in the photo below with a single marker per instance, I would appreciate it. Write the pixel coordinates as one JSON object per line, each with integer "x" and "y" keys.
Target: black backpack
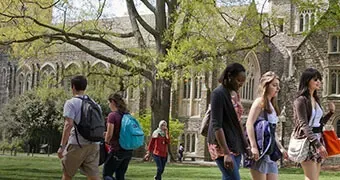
{"x": 91, "y": 125}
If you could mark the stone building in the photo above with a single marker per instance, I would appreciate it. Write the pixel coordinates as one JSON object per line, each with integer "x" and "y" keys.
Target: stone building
{"x": 301, "y": 41}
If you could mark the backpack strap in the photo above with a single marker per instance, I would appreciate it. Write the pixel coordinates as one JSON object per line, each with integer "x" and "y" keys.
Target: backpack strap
{"x": 81, "y": 114}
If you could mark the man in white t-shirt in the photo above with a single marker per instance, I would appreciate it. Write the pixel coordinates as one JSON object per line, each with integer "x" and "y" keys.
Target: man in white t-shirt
{"x": 85, "y": 155}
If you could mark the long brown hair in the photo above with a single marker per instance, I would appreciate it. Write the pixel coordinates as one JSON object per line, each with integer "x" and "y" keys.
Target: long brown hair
{"x": 265, "y": 80}
{"x": 119, "y": 101}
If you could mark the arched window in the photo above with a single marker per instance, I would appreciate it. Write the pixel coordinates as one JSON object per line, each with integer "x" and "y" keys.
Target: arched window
{"x": 307, "y": 22}
{"x": 198, "y": 88}
{"x": 334, "y": 44}
{"x": 21, "y": 84}
{"x": 193, "y": 142}
{"x": 333, "y": 83}
{"x": 28, "y": 82}
{"x": 312, "y": 20}
{"x": 301, "y": 23}
{"x": 187, "y": 143}
{"x": 69, "y": 72}
{"x": 186, "y": 88}
{"x": 252, "y": 77}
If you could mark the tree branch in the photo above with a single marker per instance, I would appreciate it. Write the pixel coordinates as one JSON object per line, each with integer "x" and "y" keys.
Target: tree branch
{"x": 149, "y": 6}
{"x": 201, "y": 55}
{"x": 101, "y": 33}
{"x": 41, "y": 6}
{"x": 23, "y": 40}
{"x": 112, "y": 75}
{"x": 78, "y": 36}
{"x": 135, "y": 27}
{"x": 146, "y": 26}
{"x": 110, "y": 60}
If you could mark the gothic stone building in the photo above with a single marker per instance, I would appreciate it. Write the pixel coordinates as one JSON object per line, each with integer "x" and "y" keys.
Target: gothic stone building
{"x": 301, "y": 42}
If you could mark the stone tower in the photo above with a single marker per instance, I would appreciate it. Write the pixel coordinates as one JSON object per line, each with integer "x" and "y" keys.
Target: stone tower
{"x": 284, "y": 11}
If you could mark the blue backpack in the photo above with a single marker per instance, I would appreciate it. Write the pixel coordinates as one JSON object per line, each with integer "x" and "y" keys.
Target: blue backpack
{"x": 131, "y": 135}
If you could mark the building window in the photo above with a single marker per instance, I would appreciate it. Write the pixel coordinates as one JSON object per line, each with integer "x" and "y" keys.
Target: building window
{"x": 334, "y": 82}
{"x": 198, "y": 88}
{"x": 186, "y": 88}
{"x": 193, "y": 143}
{"x": 312, "y": 20}
{"x": 187, "y": 143}
{"x": 28, "y": 82}
{"x": 306, "y": 20}
{"x": 301, "y": 23}
{"x": 281, "y": 23}
{"x": 21, "y": 84}
{"x": 334, "y": 44}
{"x": 248, "y": 88}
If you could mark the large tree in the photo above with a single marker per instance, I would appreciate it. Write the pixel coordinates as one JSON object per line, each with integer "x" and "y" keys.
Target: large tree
{"x": 181, "y": 36}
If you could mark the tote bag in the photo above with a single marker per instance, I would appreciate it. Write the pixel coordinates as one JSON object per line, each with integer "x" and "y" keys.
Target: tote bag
{"x": 331, "y": 140}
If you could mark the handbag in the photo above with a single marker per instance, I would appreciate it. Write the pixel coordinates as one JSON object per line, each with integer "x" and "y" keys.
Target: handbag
{"x": 331, "y": 140}
{"x": 205, "y": 122}
{"x": 103, "y": 152}
{"x": 298, "y": 149}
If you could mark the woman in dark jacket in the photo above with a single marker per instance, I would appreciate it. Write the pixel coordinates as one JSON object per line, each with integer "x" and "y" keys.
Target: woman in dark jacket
{"x": 309, "y": 120}
{"x": 226, "y": 140}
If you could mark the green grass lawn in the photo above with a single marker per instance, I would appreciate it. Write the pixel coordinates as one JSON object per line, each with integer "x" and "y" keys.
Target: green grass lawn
{"x": 38, "y": 167}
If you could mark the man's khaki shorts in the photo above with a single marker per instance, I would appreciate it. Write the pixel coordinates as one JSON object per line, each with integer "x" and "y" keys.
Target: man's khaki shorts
{"x": 85, "y": 158}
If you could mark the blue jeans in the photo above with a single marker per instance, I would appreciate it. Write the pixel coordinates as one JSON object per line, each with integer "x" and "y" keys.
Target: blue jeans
{"x": 229, "y": 174}
{"x": 117, "y": 162}
{"x": 160, "y": 162}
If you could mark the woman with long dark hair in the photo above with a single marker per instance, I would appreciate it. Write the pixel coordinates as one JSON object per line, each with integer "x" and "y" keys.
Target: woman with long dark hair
{"x": 226, "y": 140}
{"x": 118, "y": 158}
{"x": 309, "y": 120}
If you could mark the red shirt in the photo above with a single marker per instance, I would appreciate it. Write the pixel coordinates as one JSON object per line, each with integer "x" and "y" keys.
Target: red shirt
{"x": 159, "y": 146}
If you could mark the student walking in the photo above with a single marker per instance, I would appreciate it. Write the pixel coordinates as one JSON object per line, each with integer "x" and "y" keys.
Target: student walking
{"x": 261, "y": 127}
{"x": 226, "y": 140}
{"x": 118, "y": 159}
{"x": 158, "y": 146}
{"x": 76, "y": 151}
{"x": 180, "y": 152}
{"x": 309, "y": 120}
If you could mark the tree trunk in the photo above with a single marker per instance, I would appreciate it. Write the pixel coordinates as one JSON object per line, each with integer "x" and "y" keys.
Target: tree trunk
{"x": 160, "y": 102}
{"x": 160, "y": 105}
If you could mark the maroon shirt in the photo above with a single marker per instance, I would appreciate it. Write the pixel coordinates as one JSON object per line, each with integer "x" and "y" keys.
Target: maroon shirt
{"x": 115, "y": 118}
